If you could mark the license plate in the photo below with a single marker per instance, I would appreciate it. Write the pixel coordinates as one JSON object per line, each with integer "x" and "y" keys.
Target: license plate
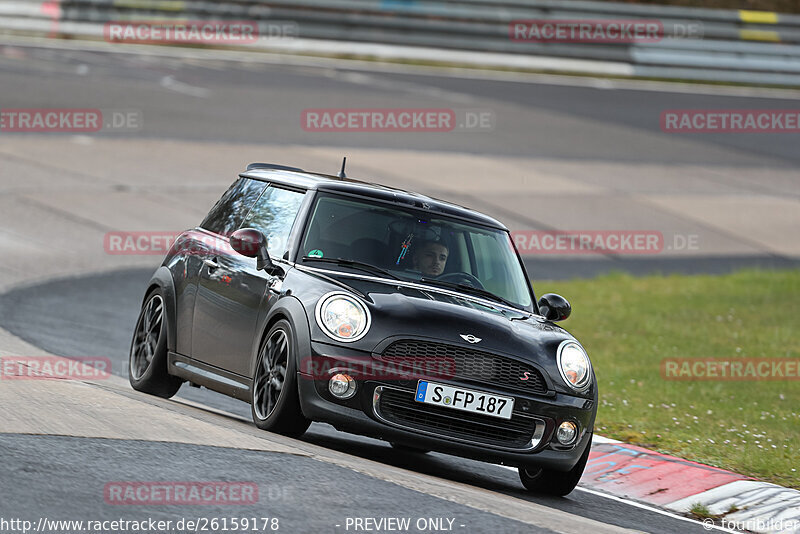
{"x": 467, "y": 400}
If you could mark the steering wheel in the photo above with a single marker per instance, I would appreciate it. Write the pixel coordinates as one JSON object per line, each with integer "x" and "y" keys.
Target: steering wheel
{"x": 462, "y": 278}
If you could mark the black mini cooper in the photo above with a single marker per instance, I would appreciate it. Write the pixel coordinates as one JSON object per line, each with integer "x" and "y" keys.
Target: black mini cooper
{"x": 379, "y": 311}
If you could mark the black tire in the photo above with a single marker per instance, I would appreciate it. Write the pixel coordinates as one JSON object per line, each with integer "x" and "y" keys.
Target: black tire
{"x": 281, "y": 412}
{"x": 408, "y": 448}
{"x": 147, "y": 359}
{"x": 550, "y": 482}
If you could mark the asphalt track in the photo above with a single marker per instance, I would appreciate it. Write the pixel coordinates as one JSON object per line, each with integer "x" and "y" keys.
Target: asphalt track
{"x": 570, "y": 154}
{"x": 252, "y": 103}
{"x": 95, "y": 316}
{"x": 597, "y": 135}
{"x": 285, "y": 487}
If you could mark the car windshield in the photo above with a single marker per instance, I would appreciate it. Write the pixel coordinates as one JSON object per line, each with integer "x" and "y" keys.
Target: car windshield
{"x": 417, "y": 246}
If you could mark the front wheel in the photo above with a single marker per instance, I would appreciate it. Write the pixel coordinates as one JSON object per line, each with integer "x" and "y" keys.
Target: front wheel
{"x": 550, "y": 482}
{"x": 275, "y": 403}
{"x": 147, "y": 363}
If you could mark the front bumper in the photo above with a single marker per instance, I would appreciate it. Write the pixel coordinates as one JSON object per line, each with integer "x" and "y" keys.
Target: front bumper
{"x": 526, "y": 440}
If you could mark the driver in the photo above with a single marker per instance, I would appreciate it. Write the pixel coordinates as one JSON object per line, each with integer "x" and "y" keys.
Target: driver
{"x": 430, "y": 258}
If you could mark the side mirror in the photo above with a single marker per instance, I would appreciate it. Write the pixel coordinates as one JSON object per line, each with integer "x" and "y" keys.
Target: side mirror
{"x": 253, "y": 244}
{"x": 554, "y": 307}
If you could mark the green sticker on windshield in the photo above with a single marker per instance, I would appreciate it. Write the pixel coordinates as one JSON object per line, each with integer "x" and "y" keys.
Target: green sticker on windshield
{"x": 316, "y": 253}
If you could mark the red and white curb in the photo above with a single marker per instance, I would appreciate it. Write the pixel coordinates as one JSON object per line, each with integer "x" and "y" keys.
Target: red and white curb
{"x": 675, "y": 484}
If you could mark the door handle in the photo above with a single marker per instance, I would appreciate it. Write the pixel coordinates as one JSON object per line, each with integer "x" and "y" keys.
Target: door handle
{"x": 211, "y": 264}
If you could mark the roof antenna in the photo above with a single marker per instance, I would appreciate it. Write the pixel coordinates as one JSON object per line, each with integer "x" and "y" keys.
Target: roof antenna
{"x": 341, "y": 174}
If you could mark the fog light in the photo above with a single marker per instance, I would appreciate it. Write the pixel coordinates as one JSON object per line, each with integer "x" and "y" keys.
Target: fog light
{"x": 567, "y": 432}
{"x": 342, "y": 386}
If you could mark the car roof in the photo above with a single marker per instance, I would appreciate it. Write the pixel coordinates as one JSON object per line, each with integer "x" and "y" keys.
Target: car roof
{"x": 293, "y": 176}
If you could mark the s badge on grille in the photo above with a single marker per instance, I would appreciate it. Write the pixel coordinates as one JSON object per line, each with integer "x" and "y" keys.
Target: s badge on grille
{"x": 470, "y": 338}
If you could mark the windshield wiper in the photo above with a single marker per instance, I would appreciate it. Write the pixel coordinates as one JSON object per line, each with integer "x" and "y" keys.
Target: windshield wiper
{"x": 352, "y": 263}
{"x": 469, "y": 289}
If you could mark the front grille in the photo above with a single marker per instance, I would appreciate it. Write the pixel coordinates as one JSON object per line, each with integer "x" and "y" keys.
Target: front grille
{"x": 399, "y": 407}
{"x": 469, "y": 365}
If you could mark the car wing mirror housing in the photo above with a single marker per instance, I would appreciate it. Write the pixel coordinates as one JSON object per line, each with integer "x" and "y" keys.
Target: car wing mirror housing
{"x": 253, "y": 244}
{"x": 554, "y": 307}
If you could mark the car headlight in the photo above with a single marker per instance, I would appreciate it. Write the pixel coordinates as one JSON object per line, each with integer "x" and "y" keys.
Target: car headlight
{"x": 574, "y": 365}
{"x": 342, "y": 317}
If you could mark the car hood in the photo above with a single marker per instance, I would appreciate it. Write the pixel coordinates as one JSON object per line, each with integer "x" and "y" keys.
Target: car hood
{"x": 427, "y": 313}
{"x": 408, "y": 313}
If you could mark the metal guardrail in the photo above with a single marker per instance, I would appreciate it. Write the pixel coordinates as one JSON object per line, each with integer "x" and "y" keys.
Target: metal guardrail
{"x": 727, "y": 45}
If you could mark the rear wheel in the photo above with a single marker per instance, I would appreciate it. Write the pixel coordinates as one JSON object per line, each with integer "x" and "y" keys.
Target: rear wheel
{"x": 147, "y": 363}
{"x": 275, "y": 402}
{"x": 550, "y": 482}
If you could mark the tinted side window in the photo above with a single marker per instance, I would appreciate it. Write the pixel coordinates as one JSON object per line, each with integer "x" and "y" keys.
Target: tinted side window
{"x": 492, "y": 269}
{"x": 228, "y": 213}
{"x": 274, "y": 214}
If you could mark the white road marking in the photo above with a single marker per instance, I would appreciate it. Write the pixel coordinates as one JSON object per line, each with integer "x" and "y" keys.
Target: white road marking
{"x": 171, "y": 83}
{"x": 375, "y": 82}
{"x": 645, "y": 507}
{"x": 757, "y": 503}
{"x": 599, "y": 440}
{"x": 595, "y": 439}
{"x": 656, "y": 510}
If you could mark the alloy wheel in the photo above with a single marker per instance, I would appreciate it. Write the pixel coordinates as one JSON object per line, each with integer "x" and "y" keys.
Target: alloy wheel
{"x": 271, "y": 374}
{"x": 148, "y": 334}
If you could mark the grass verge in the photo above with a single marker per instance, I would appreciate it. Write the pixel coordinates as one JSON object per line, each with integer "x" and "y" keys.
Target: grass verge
{"x": 628, "y": 325}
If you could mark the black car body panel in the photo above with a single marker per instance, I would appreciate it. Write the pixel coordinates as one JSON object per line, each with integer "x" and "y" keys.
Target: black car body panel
{"x": 220, "y": 306}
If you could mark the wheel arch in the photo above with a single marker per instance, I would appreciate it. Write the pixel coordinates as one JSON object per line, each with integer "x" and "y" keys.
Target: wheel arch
{"x": 292, "y": 310}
